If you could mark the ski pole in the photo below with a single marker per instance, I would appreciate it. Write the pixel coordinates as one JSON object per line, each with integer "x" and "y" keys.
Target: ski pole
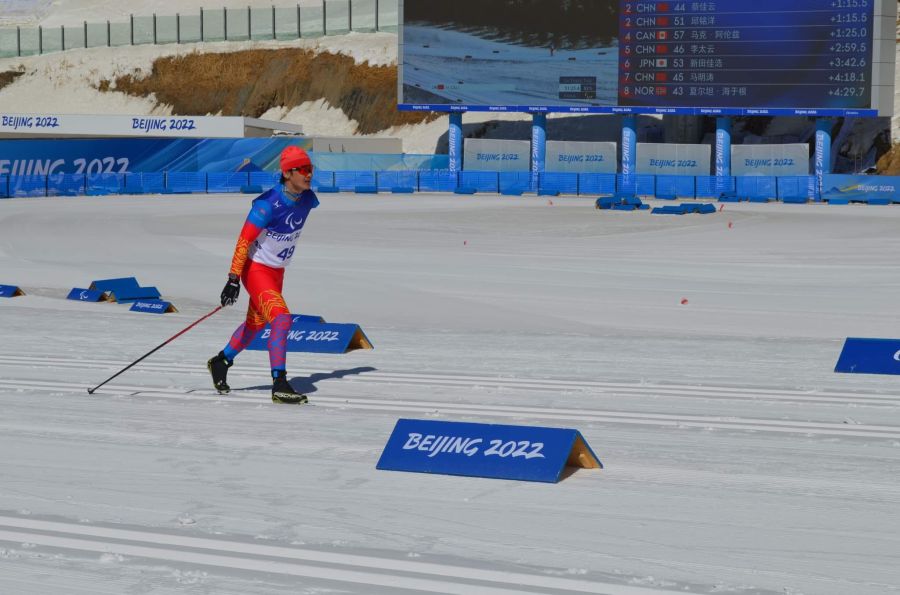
{"x": 146, "y": 355}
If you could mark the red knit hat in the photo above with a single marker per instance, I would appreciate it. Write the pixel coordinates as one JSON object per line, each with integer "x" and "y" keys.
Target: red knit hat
{"x": 292, "y": 157}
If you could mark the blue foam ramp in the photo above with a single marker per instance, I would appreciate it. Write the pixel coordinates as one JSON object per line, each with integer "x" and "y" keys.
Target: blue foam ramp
{"x": 130, "y": 294}
{"x": 402, "y": 190}
{"x": 512, "y": 191}
{"x": 524, "y": 453}
{"x": 464, "y": 190}
{"x": 795, "y": 200}
{"x": 838, "y": 201}
{"x": 869, "y": 356}
{"x": 10, "y": 291}
{"x": 120, "y": 284}
{"x": 366, "y": 189}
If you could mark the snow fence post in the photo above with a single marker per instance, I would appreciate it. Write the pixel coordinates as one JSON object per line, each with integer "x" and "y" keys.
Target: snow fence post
{"x": 177, "y": 28}
{"x": 40, "y": 40}
{"x": 299, "y": 28}
{"x": 131, "y": 26}
{"x": 249, "y": 23}
{"x": 85, "y": 35}
{"x": 324, "y": 19}
{"x": 274, "y": 35}
{"x": 62, "y": 37}
{"x": 108, "y": 35}
{"x": 19, "y": 41}
{"x": 376, "y": 16}
{"x": 201, "y": 24}
{"x": 350, "y": 15}
{"x": 154, "y": 29}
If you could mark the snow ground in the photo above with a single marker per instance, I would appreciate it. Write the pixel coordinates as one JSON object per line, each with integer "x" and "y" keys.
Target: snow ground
{"x": 736, "y": 460}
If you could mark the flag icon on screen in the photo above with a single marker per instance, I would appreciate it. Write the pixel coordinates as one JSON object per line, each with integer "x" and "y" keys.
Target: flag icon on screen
{"x": 662, "y": 62}
{"x": 662, "y": 7}
{"x": 662, "y": 35}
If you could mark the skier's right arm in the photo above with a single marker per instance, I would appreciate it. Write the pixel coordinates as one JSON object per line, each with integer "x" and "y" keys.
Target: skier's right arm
{"x": 260, "y": 216}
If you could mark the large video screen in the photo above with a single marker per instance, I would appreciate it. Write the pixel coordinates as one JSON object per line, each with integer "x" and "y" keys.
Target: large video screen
{"x": 809, "y": 57}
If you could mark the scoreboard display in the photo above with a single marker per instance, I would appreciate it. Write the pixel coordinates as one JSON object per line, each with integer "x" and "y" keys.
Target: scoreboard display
{"x": 728, "y": 57}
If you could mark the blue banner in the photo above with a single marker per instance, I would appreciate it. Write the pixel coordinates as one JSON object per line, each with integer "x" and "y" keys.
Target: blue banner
{"x": 869, "y": 356}
{"x": 152, "y": 307}
{"x": 861, "y": 188}
{"x": 523, "y": 453}
{"x": 311, "y": 334}
{"x": 86, "y": 295}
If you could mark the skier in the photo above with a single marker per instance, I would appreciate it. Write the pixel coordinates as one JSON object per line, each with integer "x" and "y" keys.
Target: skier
{"x": 264, "y": 248}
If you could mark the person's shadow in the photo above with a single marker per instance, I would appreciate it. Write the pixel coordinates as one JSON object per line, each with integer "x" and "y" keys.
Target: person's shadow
{"x": 307, "y": 384}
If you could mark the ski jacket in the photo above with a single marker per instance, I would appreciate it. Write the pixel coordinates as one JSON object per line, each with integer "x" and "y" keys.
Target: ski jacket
{"x": 272, "y": 228}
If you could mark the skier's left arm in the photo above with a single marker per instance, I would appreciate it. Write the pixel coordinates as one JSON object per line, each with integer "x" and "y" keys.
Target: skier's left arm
{"x": 260, "y": 216}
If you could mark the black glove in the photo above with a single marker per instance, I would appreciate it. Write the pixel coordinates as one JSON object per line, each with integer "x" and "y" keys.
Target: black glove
{"x": 231, "y": 291}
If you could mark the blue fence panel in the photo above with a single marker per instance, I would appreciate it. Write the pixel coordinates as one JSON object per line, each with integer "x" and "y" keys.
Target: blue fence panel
{"x": 348, "y": 181}
{"x": 685, "y": 187}
{"x": 145, "y": 183}
{"x": 646, "y": 184}
{"x": 4, "y": 186}
{"x": 183, "y": 182}
{"x": 266, "y": 179}
{"x": 597, "y": 184}
{"x": 65, "y": 185}
{"x": 438, "y": 180}
{"x": 758, "y": 187}
{"x": 562, "y": 182}
{"x": 515, "y": 181}
{"x": 666, "y": 187}
{"x": 321, "y": 177}
{"x": 797, "y": 187}
{"x": 388, "y": 180}
{"x": 226, "y": 181}
{"x": 28, "y": 185}
{"x": 101, "y": 184}
{"x": 482, "y": 181}
{"x": 714, "y": 186}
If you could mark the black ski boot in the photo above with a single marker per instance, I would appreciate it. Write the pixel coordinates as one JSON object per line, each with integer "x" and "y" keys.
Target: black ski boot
{"x": 282, "y": 392}
{"x": 218, "y": 368}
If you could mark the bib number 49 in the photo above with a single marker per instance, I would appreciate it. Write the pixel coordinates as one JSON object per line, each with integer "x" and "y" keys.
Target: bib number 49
{"x": 286, "y": 253}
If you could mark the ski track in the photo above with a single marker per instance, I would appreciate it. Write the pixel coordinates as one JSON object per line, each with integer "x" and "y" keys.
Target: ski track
{"x": 297, "y": 562}
{"x": 350, "y": 401}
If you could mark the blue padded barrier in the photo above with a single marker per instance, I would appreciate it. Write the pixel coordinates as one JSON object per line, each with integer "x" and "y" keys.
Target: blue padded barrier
{"x": 388, "y": 180}
{"x": 402, "y": 190}
{"x": 714, "y": 186}
{"x": 672, "y": 187}
{"x": 438, "y": 180}
{"x": 642, "y": 184}
{"x": 514, "y": 183}
{"x": 481, "y": 181}
{"x": 796, "y": 187}
{"x": 320, "y": 179}
{"x": 838, "y": 201}
{"x": 4, "y": 186}
{"x": 365, "y": 189}
{"x": 464, "y": 190}
{"x": 348, "y": 181}
{"x": 185, "y": 182}
{"x": 28, "y": 185}
{"x": 597, "y": 184}
{"x": 103, "y": 184}
{"x": 65, "y": 185}
{"x": 267, "y": 179}
{"x": 551, "y": 183}
{"x": 757, "y": 187}
{"x": 226, "y": 181}
{"x": 145, "y": 183}
{"x": 879, "y": 201}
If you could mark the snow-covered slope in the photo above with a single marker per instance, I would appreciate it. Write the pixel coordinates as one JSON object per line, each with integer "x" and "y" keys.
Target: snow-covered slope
{"x": 694, "y": 353}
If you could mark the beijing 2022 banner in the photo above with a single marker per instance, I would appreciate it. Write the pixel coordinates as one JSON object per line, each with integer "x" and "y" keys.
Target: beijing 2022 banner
{"x": 97, "y": 156}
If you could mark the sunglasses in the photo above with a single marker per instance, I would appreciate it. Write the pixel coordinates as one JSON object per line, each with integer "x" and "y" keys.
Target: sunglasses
{"x": 305, "y": 170}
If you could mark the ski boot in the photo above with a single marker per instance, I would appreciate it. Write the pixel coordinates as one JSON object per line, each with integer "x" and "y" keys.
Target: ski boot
{"x": 218, "y": 368}
{"x": 282, "y": 392}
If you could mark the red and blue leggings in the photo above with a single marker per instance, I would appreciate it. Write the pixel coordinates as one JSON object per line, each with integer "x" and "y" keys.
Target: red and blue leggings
{"x": 263, "y": 285}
